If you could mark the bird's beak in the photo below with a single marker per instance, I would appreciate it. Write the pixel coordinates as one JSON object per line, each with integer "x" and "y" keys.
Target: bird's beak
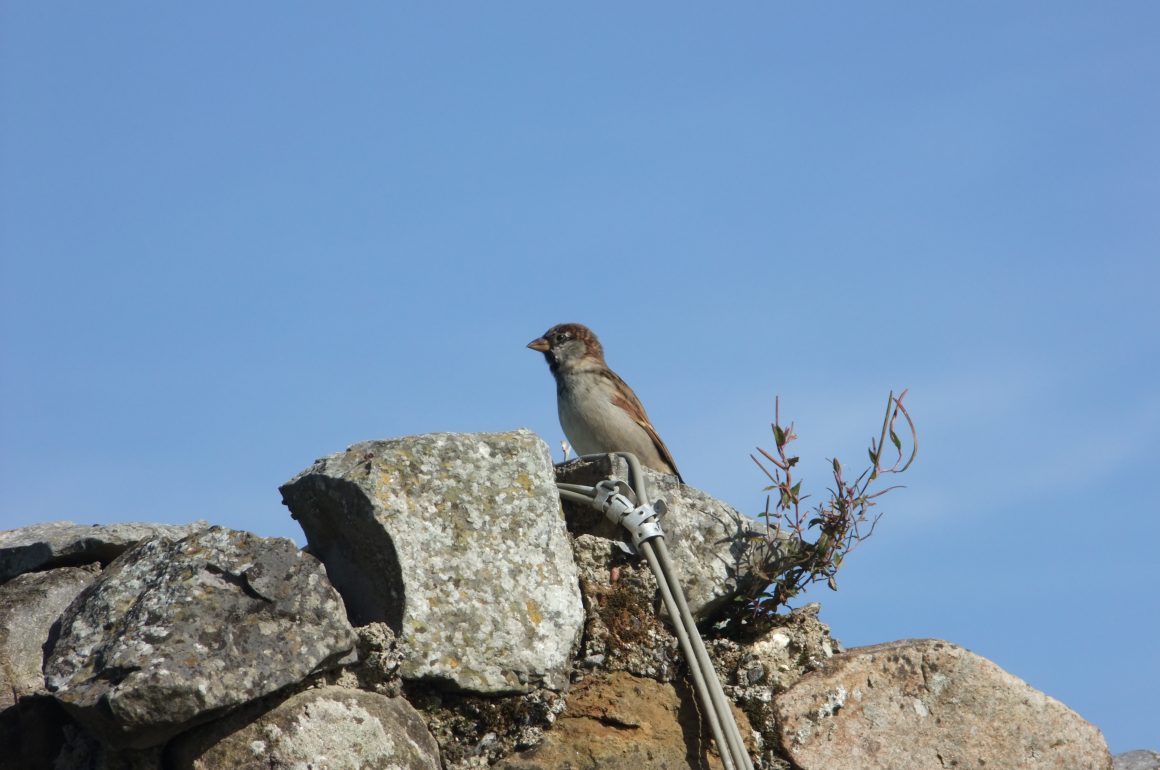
{"x": 539, "y": 344}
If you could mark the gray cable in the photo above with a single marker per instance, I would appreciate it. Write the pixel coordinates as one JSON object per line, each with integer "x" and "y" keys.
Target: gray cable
{"x": 720, "y": 703}
{"x": 717, "y": 703}
{"x": 581, "y": 488}
{"x": 704, "y": 692}
{"x": 576, "y": 497}
{"x": 705, "y": 682}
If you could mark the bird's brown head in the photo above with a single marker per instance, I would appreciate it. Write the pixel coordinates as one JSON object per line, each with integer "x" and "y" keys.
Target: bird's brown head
{"x": 568, "y": 346}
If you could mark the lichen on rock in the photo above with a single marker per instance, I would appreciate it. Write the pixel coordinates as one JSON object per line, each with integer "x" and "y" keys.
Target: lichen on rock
{"x": 174, "y": 631}
{"x": 457, "y": 542}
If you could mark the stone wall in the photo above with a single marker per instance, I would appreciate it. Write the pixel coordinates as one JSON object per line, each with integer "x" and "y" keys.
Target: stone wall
{"x": 448, "y": 612}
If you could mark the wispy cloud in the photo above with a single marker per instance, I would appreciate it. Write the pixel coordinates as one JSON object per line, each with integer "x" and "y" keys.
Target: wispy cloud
{"x": 995, "y": 433}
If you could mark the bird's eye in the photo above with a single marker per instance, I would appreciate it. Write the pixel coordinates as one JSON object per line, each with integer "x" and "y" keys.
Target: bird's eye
{"x": 561, "y": 336}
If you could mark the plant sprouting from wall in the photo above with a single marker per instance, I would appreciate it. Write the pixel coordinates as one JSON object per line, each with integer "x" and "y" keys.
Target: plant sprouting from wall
{"x": 805, "y": 545}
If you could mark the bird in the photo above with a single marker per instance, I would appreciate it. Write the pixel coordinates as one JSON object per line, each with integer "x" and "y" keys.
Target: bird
{"x": 598, "y": 411}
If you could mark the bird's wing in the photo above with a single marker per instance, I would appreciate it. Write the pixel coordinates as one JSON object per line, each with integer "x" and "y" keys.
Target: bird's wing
{"x": 625, "y": 399}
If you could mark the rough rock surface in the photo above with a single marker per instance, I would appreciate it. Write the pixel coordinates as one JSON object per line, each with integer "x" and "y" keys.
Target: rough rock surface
{"x": 229, "y": 650}
{"x": 712, "y": 545}
{"x": 65, "y": 544}
{"x": 1141, "y": 759}
{"x": 622, "y": 631}
{"x": 376, "y": 666}
{"x": 623, "y": 722}
{"x": 332, "y": 727}
{"x": 928, "y": 704}
{"x": 29, "y": 606}
{"x": 172, "y": 632}
{"x": 457, "y": 542}
{"x": 753, "y": 673}
{"x": 797, "y": 644}
{"x": 474, "y": 731}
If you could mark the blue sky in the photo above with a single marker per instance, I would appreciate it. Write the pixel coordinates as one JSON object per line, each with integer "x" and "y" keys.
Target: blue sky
{"x": 237, "y": 237}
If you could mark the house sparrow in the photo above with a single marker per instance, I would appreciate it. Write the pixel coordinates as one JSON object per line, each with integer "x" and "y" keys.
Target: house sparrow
{"x": 598, "y": 411}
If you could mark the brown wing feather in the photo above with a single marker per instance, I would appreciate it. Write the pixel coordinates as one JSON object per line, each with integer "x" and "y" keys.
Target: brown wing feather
{"x": 628, "y": 401}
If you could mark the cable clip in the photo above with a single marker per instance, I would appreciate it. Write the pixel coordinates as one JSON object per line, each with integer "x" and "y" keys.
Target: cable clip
{"x": 612, "y": 498}
{"x": 640, "y": 521}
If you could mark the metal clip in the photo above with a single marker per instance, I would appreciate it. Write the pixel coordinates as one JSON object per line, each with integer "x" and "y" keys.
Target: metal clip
{"x": 612, "y": 498}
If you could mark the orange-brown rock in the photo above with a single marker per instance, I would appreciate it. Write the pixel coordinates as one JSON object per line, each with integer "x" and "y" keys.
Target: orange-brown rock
{"x": 624, "y": 722}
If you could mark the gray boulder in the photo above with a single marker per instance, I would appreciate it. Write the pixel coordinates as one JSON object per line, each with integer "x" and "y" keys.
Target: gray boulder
{"x": 332, "y": 727}
{"x": 457, "y": 542}
{"x": 29, "y": 606}
{"x": 65, "y": 544}
{"x": 714, "y": 547}
{"x": 1141, "y": 759}
{"x": 173, "y": 632}
{"x": 928, "y": 704}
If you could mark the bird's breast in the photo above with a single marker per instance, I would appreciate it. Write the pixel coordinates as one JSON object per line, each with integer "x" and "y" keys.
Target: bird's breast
{"x": 593, "y": 424}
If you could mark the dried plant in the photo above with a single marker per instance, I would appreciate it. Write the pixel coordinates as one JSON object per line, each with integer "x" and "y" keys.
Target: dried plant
{"x": 808, "y": 545}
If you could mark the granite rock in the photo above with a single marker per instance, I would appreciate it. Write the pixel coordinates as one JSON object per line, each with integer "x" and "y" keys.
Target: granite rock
{"x": 457, "y": 542}
{"x": 174, "y": 632}
{"x": 1141, "y": 759}
{"x": 754, "y": 672}
{"x": 30, "y": 605}
{"x": 331, "y": 727}
{"x": 928, "y": 704}
{"x": 65, "y": 544}
{"x": 622, "y": 630}
{"x": 713, "y": 546}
